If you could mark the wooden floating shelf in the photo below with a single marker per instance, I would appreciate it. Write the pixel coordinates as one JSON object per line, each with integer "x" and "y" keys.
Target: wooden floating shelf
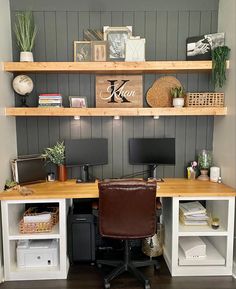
{"x": 109, "y": 67}
{"x": 161, "y": 111}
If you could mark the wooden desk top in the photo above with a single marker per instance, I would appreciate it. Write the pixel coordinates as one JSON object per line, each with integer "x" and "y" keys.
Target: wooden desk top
{"x": 168, "y": 188}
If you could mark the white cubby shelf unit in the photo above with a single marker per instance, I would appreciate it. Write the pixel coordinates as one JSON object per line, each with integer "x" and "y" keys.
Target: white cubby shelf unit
{"x": 12, "y": 212}
{"x": 219, "y": 242}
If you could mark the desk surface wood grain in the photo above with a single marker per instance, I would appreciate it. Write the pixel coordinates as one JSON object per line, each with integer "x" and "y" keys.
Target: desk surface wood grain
{"x": 168, "y": 188}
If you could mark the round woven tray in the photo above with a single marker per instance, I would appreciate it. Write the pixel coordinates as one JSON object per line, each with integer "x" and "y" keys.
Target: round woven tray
{"x": 159, "y": 94}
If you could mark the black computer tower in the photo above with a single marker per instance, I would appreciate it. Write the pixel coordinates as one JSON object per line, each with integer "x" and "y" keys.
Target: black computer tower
{"x": 81, "y": 236}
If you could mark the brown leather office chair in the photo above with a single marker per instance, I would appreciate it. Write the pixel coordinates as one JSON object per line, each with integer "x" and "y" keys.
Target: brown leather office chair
{"x": 127, "y": 211}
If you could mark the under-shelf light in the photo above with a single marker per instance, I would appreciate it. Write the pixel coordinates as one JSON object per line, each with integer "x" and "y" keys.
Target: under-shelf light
{"x": 156, "y": 117}
{"x": 76, "y": 117}
{"x": 116, "y": 117}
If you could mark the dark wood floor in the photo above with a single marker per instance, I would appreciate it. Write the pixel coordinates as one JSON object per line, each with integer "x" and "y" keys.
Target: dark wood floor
{"x": 85, "y": 276}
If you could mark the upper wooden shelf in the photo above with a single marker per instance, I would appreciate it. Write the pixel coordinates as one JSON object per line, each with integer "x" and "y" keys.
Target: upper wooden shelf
{"x": 109, "y": 67}
{"x": 160, "y": 111}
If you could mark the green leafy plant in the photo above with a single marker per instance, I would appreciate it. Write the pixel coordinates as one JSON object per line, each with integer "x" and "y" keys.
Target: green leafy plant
{"x": 9, "y": 184}
{"x": 205, "y": 160}
{"x": 25, "y": 30}
{"x": 177, "y": 92}
{"x": 219, "y": 56}
{"x": 55, "y": 154}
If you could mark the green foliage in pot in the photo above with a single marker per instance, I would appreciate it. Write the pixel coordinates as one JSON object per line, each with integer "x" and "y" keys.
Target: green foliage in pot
{"x": 55, "y": 154}
{"x": 25, "y": 30}
{"x": 9, "y": 184}
{"x": 219, "y": 56}
{"x": 205, "y": 159}
{"x": 177, "y": 92}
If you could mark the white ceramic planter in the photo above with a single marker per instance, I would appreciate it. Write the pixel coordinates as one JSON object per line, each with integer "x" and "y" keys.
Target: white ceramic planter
{"x": 178, "y": 102}
{"x": 26, "y": 56}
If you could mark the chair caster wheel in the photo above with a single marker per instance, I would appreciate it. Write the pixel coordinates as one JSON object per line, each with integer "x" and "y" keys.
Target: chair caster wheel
{"x": 107, "y": 285}
{"x": 147, "y": 286}
{"x": 99, "y": 266}
{"x": 157, "y": 267}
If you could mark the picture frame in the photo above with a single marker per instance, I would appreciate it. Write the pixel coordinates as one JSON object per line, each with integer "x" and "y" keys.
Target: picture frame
{"x": 135, "y": 49}
{"x": 93, "y": 35}
{"x": 99, "y": 50}
{"x": 200, "y": 47}
{"x": 116, "y": 37}
{"x": 82, "y": 51}
{"x": 78, "y": 101}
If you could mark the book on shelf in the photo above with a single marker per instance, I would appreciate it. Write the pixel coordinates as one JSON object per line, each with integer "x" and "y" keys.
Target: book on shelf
{"x": 193, "y": 222}
{"x": 191, "y": 208}
{"x": 50, "y": 105}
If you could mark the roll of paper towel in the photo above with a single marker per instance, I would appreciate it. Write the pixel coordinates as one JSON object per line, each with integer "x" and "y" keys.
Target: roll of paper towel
{"x": 214, "y": 174}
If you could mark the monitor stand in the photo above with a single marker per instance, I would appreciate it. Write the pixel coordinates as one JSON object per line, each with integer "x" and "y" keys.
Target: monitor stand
{"x": 85, "y": 174}
{"x": 152, "y": 171}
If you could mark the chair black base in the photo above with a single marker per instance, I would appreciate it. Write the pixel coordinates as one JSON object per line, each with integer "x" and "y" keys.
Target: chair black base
{"x": 127, "y": 265}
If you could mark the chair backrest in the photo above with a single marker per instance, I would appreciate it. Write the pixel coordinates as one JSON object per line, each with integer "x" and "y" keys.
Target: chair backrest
{"x": 127, "y": 209}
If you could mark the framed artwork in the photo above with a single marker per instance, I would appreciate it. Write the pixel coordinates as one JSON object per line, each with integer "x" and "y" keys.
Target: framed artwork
{"x": 78, "y": 101}
{"x": 135, "y": 50}
{"x": 200, "y": 47}
{"x": 99, "y": 50}
{"x": 116, "y": 37}
{"x": 119, "y": 91}
{"x": 82, "y": 51}
{"x": 93, "y": 35}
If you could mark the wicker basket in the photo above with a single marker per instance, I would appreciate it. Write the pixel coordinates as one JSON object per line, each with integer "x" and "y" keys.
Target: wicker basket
{"x": 201, "y": 99}
{"x": 39, "y": 227}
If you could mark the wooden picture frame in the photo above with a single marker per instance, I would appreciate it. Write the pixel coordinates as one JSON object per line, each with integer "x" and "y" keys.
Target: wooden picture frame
{"x": 116, "y": 37}
{"x": 78, "y": 101}
{"x": 99, "y": 50}
{"x": 82, "y": 51}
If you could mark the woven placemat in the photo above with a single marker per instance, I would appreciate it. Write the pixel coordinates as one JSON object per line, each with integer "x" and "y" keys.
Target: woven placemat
{"x": 159, "y": 93}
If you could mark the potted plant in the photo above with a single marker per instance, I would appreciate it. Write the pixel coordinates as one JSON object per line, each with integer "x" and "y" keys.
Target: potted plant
{"x": 56, "y": 155}
{"x": 178, "y": 96}
{"x": 219, "y": 56}
{"x": 25, "y": 31}
{"x": 204, "y": 163}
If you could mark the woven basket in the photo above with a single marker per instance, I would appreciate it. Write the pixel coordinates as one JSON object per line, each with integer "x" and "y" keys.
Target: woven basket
{"x": 205, "y": 99}
{"x": 39, "y": 227}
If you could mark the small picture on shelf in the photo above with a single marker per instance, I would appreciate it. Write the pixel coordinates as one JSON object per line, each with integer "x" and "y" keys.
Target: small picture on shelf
{"x": 78, "y": 101}
{"x": 116, "y": 37}
{"x": 200, "y": 47}
{"x": 99, "y": 50}
{"x": 82, "y": 51}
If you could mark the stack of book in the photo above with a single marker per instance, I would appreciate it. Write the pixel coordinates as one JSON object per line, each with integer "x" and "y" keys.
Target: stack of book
{"x": 193, "y": 213}
{"x": 50, "y": 100}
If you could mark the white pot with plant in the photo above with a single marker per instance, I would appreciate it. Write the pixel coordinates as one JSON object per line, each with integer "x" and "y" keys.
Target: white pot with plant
{"x": 56, "y": 155}
{"x": 178, "y": 96}
{"x": 25, "y": 31}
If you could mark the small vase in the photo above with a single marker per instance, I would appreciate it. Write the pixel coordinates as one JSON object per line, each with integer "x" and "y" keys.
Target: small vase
{"x": 61, "y": 173}
{"x": 26, "y": 56}
{"x": 178, "y": 102}
{"x": 203, "y": 176}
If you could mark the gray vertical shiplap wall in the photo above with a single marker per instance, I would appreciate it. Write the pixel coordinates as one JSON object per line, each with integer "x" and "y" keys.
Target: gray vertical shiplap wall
{"x": 165, "y": 29}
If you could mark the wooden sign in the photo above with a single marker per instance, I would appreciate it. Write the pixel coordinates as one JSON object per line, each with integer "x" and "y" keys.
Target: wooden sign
{"x": 119, "y": 91}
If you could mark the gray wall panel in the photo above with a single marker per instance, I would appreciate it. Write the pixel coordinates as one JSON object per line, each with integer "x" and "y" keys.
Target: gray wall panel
{"x": 165, "y": 29}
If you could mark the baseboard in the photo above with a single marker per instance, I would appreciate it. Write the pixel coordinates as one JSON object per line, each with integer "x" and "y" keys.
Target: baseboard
{"x": 1, "y": 274}
{"x": 234, "y": 269}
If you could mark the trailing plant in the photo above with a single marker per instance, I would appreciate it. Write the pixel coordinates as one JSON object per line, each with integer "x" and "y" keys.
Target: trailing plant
{"x": 55, "y": 154}
{"x": 177, "y": 92}
{"x": 25, "y": 30}
{"x": 219, "y": 56}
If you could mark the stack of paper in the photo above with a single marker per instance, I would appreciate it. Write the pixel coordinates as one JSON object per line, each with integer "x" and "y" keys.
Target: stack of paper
{"x": 193, "y": 213}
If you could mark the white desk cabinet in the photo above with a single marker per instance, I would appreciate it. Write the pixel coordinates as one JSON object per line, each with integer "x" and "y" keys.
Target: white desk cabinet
{"x": 219, "y": 242}
{"x": 12, "y": 212}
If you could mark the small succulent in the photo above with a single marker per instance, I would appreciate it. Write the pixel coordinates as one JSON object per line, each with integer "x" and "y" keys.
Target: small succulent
{"x": 55, "y": 154}
{"x": 177, "y": 92}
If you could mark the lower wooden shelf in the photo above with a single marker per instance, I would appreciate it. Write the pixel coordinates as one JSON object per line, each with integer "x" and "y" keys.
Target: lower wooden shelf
{"x": 160, "y": 111}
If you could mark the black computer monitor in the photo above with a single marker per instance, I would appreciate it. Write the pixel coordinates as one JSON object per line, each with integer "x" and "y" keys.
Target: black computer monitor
{"x": 152, "y": 152}
{"x": 85, "y": 153}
